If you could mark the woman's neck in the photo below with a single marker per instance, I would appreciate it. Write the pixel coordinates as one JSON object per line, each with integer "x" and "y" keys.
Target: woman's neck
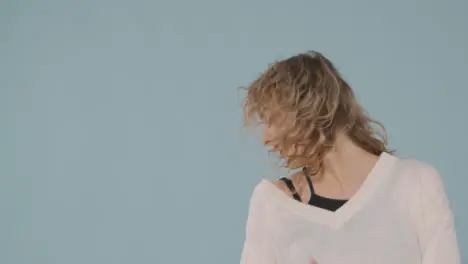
{"x": 347, "y": 166}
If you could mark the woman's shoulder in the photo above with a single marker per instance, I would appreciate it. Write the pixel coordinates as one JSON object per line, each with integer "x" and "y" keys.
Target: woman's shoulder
{"x": 262, "y": 192}
{"x": 265, "y": 187}
{"x": 419, "y": 177}
{"x": 418, "y": 169}
{"x": 277, "y": 186}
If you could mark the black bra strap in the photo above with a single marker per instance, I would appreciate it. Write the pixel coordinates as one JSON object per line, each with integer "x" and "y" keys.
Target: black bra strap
{"x": 309, "y": 181}
{"x": 291, "y": 187}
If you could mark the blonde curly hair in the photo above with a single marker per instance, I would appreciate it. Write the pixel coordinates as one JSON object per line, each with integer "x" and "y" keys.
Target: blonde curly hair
{"x": 306, "y": 97}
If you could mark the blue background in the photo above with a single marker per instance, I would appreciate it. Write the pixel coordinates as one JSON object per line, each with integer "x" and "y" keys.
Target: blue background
{"x": 121, "y": 139}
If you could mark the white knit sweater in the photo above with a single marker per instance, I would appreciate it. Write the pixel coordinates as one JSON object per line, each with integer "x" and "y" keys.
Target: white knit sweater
{"x": 400, "y": 215}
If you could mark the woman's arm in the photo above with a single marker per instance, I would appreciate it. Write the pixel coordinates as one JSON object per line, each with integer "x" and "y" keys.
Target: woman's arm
{"x": 258, "y": 245}
{"x": 437, "y": 230}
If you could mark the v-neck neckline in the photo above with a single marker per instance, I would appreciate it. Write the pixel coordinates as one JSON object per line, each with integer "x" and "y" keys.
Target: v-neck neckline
{"x": 335, "y": 219}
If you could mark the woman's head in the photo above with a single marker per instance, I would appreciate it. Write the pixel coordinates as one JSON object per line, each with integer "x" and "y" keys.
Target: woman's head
{"x": 305, "y": 105}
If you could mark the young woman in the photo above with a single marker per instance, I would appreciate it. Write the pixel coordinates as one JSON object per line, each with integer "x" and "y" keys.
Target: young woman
{"x": 351, "y": 201}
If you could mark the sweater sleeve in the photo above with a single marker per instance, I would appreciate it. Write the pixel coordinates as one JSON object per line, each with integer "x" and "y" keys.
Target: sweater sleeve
{"x": 437, "y": 230}
{"x": 258, "y": 247}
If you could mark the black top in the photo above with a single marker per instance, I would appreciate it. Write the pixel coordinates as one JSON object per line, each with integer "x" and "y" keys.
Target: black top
{"x": 315, "y": 200}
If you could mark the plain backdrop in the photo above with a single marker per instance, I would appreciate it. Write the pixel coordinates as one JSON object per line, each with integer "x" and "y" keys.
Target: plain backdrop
{"x": 121, "y": 140}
